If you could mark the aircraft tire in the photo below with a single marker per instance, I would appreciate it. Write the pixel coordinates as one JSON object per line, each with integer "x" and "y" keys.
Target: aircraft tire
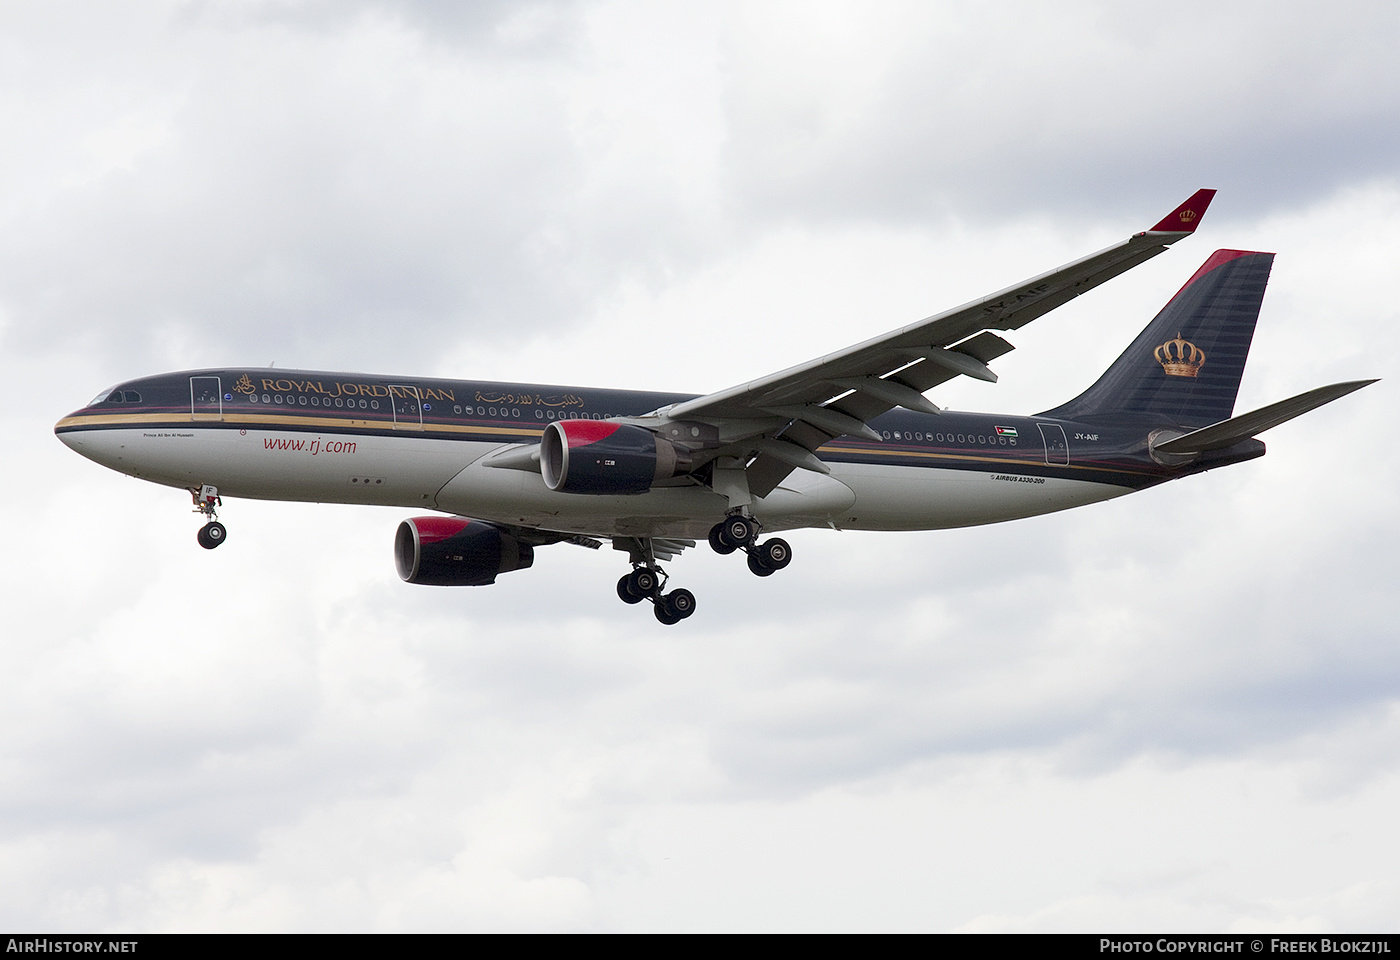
{"x": 681, "y": 602}
{"x": 643, "y": 583}
{"x": 758, "y": 567}
{"x": 736, "y": 532}
{"x": 665, "y": 614}
{"x": 776, "y": 553}
{"x": 717, "y": 542}
{"x": 624, "y": 590}
{"x": 211, "y": 535}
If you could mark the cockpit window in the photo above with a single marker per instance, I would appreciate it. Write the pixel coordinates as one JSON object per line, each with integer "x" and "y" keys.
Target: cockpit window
{"x": 116, "y": 396}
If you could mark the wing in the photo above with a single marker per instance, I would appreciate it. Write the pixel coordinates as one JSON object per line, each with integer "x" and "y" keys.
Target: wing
{"x": 795, "y": 411}
{"x": 643, "y": 549}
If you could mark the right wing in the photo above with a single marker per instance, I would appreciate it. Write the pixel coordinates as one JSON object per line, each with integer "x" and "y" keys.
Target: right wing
{"x": 795, "y": 411}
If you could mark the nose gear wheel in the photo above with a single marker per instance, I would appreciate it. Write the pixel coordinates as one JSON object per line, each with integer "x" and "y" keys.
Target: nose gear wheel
{"x": 213, "y": 533}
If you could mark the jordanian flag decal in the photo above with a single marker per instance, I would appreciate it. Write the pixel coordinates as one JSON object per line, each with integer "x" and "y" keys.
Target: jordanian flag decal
{"x": 1006, "y": 431}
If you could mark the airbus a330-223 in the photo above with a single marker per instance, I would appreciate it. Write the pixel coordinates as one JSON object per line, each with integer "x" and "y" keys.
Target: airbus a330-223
{"x": 846, "y": 441}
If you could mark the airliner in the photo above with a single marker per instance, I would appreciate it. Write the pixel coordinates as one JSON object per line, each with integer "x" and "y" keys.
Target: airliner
{"x": 847, "y": 441}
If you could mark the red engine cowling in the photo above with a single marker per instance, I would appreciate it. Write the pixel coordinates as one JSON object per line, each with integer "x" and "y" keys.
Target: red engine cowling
{"x": 599, "y": 456}
{"x": 456, "y": 552}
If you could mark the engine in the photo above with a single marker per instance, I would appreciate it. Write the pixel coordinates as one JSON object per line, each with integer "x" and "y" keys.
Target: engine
{"x": 456, "y": 552}
{"x": 599, "y": 456}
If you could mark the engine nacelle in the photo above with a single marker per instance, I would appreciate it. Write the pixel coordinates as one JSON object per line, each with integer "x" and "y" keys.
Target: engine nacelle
{"x": 456, "y": 552}
{"x": 599, "y": 456}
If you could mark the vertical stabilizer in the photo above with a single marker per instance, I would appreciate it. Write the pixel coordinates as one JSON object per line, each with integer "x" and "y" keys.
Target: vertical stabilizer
{"x": 1185, "y": 367}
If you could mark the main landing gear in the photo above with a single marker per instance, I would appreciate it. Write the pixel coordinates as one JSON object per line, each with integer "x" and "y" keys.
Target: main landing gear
{"x": 737, "y": 532}
{"x": 647, "y": 581}
{"x": 213, "y": 533}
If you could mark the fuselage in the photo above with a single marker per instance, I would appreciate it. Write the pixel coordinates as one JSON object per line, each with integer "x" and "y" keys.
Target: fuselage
{"x": 424, "y": 443}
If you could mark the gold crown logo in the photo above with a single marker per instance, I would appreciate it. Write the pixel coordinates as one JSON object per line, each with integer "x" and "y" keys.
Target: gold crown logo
{"x": 1187, "y": 216}
{"x": 1180, "y": 358}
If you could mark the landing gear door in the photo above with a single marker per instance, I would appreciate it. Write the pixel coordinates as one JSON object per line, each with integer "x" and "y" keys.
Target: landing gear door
{"x": 408, "y": 407}
{"x": 206, "y": 399}
{"x": 1056, "y": 446}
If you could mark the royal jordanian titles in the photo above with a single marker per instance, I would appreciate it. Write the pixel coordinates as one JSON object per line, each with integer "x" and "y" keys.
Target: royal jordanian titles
{"x": 847, "y": 441}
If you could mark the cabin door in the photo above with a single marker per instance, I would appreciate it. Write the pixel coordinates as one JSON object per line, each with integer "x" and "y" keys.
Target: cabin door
{"x": 206, "y": 399}
{"x": 1056, "y": 446}
{"x": 408, "y": 407}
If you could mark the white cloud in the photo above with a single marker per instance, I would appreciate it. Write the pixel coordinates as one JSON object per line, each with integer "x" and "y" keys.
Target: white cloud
{"x": 1172, "y": 711}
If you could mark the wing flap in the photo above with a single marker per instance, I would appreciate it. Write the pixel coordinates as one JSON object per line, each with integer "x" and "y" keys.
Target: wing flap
{"x": 986, "y": 346}
{"x": 765, "y": 473}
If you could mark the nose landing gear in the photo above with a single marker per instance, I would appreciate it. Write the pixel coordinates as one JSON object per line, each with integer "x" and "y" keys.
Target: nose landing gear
{"x": 213, "y": 533}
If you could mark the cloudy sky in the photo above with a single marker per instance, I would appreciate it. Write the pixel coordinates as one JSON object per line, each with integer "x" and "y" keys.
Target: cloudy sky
{"x": 1175, "y": 711}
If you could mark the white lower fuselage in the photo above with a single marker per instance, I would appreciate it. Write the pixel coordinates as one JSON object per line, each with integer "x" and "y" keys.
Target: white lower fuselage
{"x": 417, "y": 472}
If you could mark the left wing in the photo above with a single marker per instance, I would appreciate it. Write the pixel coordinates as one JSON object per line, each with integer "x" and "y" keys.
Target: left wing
{"x": 795, "y": 411}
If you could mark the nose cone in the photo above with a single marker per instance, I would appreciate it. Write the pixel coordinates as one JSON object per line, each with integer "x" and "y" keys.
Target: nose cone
{"x": 74, "y": 437}
{"x": 68, "y": 439}
{"x": 66, "y": 431}
{"x": 81, "y": 432}
{"x": 106, "y": 447}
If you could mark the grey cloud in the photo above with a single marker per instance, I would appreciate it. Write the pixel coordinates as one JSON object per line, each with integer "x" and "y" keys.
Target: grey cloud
{"x": 298, "y": 198}
{"x": 480, "y": 25}
{"x": 1001, "y": 111}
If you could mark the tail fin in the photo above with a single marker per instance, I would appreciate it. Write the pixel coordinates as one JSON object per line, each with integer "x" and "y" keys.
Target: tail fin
{"x": 1185, "y": 367}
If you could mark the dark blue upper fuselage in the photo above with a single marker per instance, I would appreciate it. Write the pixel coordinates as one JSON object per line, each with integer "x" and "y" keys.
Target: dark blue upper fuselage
{"x": 1108, "y": 449}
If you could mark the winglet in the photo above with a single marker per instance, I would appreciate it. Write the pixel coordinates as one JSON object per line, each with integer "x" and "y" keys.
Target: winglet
{"x": 1185, "y": 218}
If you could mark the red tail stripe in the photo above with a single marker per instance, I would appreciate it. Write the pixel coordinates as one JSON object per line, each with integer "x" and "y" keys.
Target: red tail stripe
{"x": 1217, "y": 259}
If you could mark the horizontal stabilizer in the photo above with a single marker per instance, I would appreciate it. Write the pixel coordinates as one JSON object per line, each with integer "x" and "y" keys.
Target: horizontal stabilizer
{"x": 1227, "y": 433}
